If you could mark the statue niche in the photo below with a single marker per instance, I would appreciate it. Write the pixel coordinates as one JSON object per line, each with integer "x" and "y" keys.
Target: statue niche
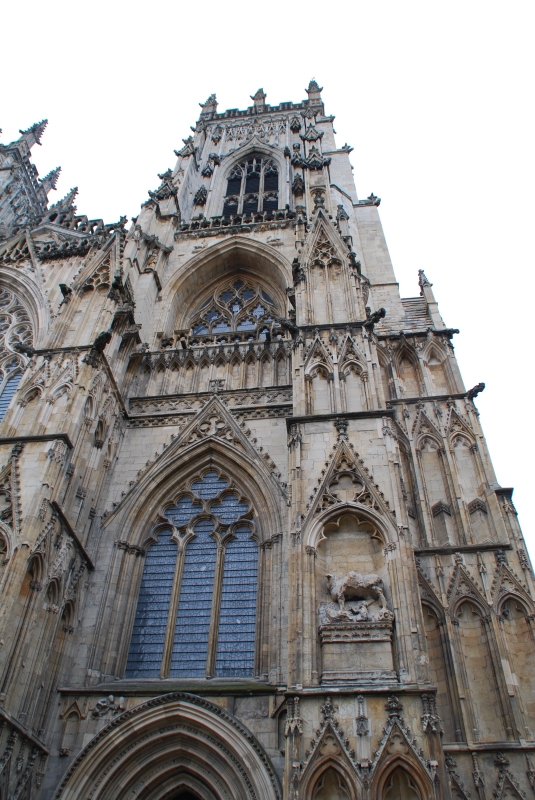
{"x": 355, "y": 623}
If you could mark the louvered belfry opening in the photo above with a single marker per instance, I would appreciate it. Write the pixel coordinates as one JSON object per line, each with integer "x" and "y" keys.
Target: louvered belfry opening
{"x": 252, "y": 187}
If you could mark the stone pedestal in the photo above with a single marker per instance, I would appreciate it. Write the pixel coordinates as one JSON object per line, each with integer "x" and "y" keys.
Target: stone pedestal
{"x": 357, "y": 652}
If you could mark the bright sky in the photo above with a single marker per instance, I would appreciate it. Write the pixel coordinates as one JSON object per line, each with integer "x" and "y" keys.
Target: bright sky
{"x": 435, "y": 97}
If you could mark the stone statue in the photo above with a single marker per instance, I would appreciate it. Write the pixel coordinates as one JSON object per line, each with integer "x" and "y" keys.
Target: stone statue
{"x": 353, "y": 585}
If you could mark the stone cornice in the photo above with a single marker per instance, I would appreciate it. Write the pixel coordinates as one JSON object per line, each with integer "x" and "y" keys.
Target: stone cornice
{"x": 461, "y": 548}
{"x": 43, "y": 437}
{"x": 374, "y": 413}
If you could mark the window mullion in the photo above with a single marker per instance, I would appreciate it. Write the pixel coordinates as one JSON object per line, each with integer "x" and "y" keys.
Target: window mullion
{"x": 260, "y": 205}
{"x": 214, "y": 618}
{"x": 173, "y": 610}
{"x": 242, "y": 190}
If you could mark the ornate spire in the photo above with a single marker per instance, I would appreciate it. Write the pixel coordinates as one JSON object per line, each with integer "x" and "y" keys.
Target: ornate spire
{"x": 314, "y": 89}
{"x": 33, "y": 134}
{"x": 259, "y": 98}
{"x": 49, "y": 181}
{"x": 66, "y": 202}
{"x": 209, "y": 107}
{"x": 315, "y": 103}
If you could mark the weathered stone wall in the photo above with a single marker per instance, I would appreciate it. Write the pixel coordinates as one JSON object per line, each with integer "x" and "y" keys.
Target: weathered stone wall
{"x": 394, "y": 625}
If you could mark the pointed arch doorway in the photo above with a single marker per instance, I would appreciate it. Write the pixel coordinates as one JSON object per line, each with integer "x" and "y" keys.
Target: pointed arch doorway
{"x": 176, "y": 746}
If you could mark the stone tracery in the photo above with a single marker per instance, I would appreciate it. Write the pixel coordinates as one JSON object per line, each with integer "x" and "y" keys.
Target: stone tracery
{"x": 189, "y": 591}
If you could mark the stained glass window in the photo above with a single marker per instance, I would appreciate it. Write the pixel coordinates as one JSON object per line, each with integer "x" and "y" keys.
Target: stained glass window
{"x": 148, "y": 636}
{"x": 206, "y": 516}
{"x": 252, "y": 186}
{"x": 195, "y": 605}
{"x": 236, "y": 308}
{"x": 8, "y": 391}
{"x": 237, "y": 616}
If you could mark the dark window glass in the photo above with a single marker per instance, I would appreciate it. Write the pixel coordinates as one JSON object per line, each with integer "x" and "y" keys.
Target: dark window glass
{"x": 233, "y": 186}
{"x": 148, "y": 635}
{"x": 195, "y": 605}
{"x": 185, "y": 509}
{"x": 221, "y": 327}
{"x": 271, "y": 181}
{"x": 229, "y": 509}
{"x": 252, "y": 184}
{"x": 210, "y": 486}
{"x": 250, "y": 204}
{"x": 8, "y": 392}
{"x": 229, "y": 209}
{"x": 237, "y": 616}
{"x": 261, "y": 177}
{"x": 271, "y": 204}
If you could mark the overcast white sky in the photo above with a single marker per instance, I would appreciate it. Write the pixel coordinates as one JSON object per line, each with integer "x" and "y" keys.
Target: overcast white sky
{"x": 435, "y": 97}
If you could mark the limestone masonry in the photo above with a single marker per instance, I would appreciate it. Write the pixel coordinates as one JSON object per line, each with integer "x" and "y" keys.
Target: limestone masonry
{"x": 252, "y": 543}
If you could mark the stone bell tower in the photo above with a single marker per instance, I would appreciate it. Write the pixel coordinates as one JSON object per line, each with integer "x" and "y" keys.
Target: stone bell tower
{"x": 252, "y": 541}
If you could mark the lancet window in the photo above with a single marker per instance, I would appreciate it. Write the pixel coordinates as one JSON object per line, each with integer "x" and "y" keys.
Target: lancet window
{"x": 235, "y": 308}
{"x": 252, "y": 186}
{"x": 15, "y": 330}
{"x": 196, "y": 612}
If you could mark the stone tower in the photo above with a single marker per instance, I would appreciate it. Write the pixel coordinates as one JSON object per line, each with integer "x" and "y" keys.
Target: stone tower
{"x": 253, "y": 546}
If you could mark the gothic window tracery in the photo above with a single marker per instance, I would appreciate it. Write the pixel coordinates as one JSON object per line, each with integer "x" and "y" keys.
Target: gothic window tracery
{"x": 196, "y": 612}
{"x": 235, "y": 307}
{"x": 252, "y": 186}
{"x": 15, "y": 330}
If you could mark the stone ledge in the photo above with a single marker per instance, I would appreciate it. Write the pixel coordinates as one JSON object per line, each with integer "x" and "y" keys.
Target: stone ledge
{"x": 157, "y": 686}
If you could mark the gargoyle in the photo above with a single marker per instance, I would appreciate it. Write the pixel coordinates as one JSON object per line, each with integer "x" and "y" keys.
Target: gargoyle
{"x": 374, "y": 318}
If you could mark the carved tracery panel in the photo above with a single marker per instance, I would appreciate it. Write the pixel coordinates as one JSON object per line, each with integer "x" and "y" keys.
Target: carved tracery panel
{"x": 252, "y": 186}
{"x": 235, "y": 307}
{"x": 15, "y": 331}
{"x": 196, "y": 612}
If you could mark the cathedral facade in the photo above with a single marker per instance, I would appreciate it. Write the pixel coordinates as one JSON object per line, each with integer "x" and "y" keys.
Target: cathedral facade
{"x": 252, "y": 543}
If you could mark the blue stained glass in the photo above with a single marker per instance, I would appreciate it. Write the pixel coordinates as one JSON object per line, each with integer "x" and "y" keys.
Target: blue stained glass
{"x": 221, "y": 327}
{"x": 247, "y": 294}
{"x": 237, "y": 617}
{"x": 226, "y": 296}
{"x": 184, "y": 510}
{"x": 229, "y": 509}
{"x": 245, "y": 325}
{"x": 195, "y": 604}
{"x": 8, "y": 392}
{"x": 266, "y": 296}
{"x": 210, "y": 486}
{"x": 200, "y": 328}
{"x": 148, "y": 636}
{"x": 211, "y": 315}
{"x": 259, "y": 311}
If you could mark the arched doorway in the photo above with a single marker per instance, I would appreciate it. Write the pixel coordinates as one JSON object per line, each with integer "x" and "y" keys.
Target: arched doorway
{"x": 175, "y": 747}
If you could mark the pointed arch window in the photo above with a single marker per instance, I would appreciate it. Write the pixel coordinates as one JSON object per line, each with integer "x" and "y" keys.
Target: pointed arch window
{"x": 196, "y": 611}
{"x": 252, "y": 186}
{"x": 15, "y": 330}
{"x": 236, "y": 306}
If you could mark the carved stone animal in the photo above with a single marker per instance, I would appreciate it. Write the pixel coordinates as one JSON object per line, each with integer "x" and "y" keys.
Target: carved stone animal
{"x": 353, "y": 585}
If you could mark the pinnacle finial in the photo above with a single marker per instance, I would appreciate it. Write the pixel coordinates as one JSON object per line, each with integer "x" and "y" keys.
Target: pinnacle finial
{"x": 68, "y": 200}
{"x": 49, "y": 181}
{"x": 212, "y": 101}
{"x": 259, "y": 98}
{"x": 313, "y": 87}
{"x": 34, "y": 133}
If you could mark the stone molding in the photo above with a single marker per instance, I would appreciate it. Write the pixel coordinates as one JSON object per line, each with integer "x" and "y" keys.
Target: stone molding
{"x": 133, "y": 722}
